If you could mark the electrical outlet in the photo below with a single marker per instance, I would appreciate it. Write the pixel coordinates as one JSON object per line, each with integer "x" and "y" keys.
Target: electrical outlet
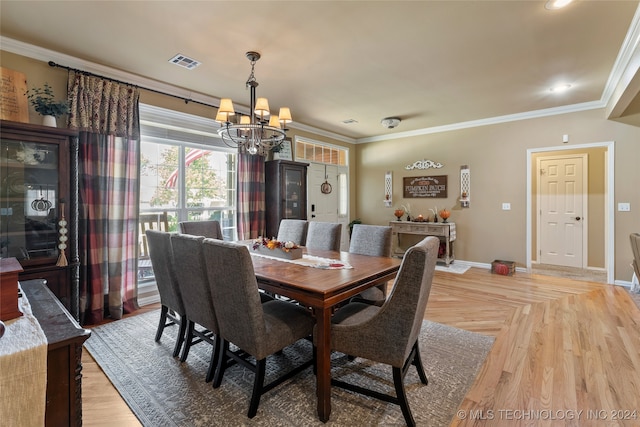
{"x": 506, "y": 206}
{"x": 624, "y": 207}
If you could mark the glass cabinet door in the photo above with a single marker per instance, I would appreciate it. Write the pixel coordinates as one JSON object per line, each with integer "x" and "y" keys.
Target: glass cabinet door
{"x": 29, "y": 192}
{"x": 293, "y": 192}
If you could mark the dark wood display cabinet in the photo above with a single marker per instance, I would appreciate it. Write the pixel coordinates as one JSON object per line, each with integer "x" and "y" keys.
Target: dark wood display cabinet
{"x": 286, "y": 193}
{"x": 37, "y": 194}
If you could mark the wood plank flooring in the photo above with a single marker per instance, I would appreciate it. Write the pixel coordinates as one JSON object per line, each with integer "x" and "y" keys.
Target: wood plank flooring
{"x": 567, "y": 352}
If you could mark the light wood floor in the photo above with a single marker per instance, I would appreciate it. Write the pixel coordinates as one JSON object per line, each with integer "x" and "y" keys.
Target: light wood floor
{"x": 562, "y": 346}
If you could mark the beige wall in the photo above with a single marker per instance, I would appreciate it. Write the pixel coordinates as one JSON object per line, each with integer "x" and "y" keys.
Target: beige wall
{"x": 496, "y": 155}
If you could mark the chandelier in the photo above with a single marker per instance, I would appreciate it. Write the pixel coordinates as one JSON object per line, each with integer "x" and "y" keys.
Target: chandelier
{"x": 257, "y": 133}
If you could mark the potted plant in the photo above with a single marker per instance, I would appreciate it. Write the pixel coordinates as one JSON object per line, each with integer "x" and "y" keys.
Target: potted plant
{"x": 44, "y": 103}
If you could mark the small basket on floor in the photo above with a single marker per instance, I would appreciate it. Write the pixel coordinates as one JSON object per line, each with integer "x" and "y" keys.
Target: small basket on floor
{"x": 504, "y": 268}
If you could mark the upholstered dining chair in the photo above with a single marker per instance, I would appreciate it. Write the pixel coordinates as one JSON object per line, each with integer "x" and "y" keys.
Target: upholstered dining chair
{"x": 371, "y": 240}
{"x": 324, "y": 236}
{"x": 635, "y": 248}
{"x": 292, "y": 230}
{"x": 363, "y": 330}
{"x": 258, "y": 330}
{"x": 191, "y": 272}
{"x": 210, "y": 229}
{"x": 172, "y": 310}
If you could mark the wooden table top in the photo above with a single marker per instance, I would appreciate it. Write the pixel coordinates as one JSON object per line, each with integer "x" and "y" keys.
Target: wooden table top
{"x": 327, "y": 285}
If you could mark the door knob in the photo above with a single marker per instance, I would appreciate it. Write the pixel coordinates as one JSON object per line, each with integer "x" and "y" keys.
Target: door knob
{"x": 578, "y": 218}
{"x": 313, "y": 216}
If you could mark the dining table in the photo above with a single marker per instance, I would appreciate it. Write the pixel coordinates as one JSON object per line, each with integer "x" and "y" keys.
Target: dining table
{"x": 322, "y": 287}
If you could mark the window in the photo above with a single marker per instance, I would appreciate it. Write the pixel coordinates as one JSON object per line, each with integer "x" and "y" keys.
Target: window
{"x": 317, "y": 152}
{"x": 185, "y": 170}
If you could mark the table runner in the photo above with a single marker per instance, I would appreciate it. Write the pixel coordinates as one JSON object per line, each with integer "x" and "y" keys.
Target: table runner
{"x": 311, "y": 261}
{"x": 23, "y": 370}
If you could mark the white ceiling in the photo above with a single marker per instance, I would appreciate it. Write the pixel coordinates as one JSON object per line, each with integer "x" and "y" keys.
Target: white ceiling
{"x": 431, "y": 63}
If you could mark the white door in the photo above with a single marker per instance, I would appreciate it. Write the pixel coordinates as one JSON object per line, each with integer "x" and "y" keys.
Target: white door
{"x": 562, "y": 202}
{"x": 324, "y": 206}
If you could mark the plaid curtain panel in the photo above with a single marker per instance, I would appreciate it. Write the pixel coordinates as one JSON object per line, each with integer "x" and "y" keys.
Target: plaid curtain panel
{"x": 106, "y": 113}
{"x": 251, "y": 197}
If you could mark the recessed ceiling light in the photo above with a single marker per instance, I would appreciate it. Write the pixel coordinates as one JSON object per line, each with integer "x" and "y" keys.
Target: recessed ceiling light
{"x": 184, "y": 61}
{"x": 556, "y": 4}
{"x": 560, "y": 88}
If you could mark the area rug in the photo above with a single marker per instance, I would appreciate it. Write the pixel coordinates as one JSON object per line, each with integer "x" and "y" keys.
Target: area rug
{"x": 161, "y": 391}
{"x": 453, "y": 268}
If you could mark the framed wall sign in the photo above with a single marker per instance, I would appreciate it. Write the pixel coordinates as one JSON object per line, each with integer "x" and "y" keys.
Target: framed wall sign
{"x": 285, "y": 152}
{"x": 424, "y": 187}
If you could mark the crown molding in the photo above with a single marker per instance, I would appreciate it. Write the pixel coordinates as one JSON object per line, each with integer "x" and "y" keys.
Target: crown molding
{"x": 592, "y": 105}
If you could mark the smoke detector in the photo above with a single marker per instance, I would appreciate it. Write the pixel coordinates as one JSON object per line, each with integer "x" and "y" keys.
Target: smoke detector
{"x": 390, "y": 122}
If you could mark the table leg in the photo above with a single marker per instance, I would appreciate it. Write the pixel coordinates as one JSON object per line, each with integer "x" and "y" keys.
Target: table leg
{"x": 323, "y": 378}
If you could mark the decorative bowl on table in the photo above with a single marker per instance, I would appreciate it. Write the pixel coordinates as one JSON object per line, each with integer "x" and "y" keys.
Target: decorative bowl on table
{"x": 275, "y": 248}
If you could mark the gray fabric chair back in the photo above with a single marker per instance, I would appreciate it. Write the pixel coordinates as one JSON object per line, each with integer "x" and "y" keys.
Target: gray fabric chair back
{"x": 390, "y": 334}
{"x": 236, "y": 295}
{"x": 371, "y": 240}
{"x": 161, "y": 254}
{"x": 294, "y": 230}
{"x": 635, "y": 248}
{"x": 208, "y": 229}
{"x": 324, "y": 236}
{"x": 192, "y": 278}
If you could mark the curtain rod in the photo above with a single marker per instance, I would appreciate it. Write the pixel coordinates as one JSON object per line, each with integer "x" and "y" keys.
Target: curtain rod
{"x": 87, "y": 73}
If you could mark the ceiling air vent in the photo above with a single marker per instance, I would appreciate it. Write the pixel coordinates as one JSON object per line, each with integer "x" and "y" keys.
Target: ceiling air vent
{"x": 184, "y": 61}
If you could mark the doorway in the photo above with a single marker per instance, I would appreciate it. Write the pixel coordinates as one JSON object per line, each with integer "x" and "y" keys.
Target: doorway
{"x": 562, "y": 199}
{"x": 324, "y": 201}
{"x": 595, "y": 226}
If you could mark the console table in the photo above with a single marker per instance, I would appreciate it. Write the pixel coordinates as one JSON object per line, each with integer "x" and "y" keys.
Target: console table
{"x": 403, "y": 232}
{"x": 64, "y": 351}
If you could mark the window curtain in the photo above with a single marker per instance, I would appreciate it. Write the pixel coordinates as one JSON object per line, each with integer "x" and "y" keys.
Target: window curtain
{"x": 251, "y": 196}
{"x": 107, "y": 117}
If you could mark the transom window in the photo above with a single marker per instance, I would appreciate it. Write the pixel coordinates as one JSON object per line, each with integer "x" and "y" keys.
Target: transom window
{"x": 312, "y": 151}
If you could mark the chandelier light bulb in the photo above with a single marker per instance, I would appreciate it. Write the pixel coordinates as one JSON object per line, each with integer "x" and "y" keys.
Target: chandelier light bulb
{"x": 285, "y": 115}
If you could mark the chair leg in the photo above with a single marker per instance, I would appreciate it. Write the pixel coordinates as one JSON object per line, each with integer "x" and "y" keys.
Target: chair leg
{"x": 402, "y": 397}
{"x": 223, "y": 347}
{"x": 163, "y": 321}
{"x": 187, "y": 340}
{"x": 214, "y": 358}
{"x": 180, "y": 338}
{"x": 417, "y": 361}
{"x": 257, "y": 387}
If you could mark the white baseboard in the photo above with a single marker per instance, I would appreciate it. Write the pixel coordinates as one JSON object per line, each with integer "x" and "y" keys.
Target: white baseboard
{"x": 148, "y": 300}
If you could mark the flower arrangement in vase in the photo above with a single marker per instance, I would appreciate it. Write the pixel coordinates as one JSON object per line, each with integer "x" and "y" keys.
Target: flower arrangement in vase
{"x": 43, "y": 101}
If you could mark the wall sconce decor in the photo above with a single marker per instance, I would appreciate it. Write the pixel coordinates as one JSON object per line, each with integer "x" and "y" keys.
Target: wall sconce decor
{"x": 465, "y": 186}
{"x": 388, "y": 189}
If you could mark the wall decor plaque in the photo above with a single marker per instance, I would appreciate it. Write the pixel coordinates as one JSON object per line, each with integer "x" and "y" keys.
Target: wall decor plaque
{"x": 424, "y": 187}
{"x": 13, "y": 98}
{"x": 424, "y": 164}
